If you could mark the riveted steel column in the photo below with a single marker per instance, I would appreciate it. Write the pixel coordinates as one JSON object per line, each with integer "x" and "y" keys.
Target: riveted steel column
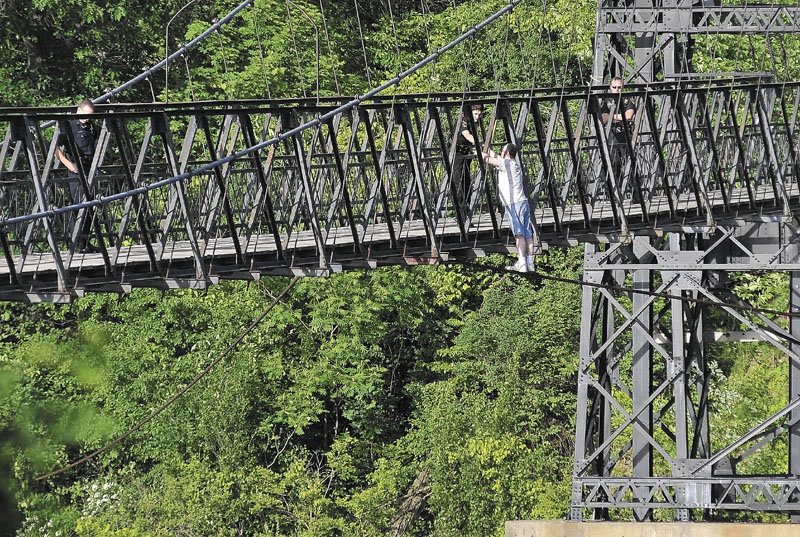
{"x": 21, "y": 132}
{"x": 305, "y": 178}
{"x": 582, "y": 421}
{"x": 679, "y": 369}
{"x": 179, "y": 188}
{"x": 642, "y": 382}
{"x": 794, "y": 374}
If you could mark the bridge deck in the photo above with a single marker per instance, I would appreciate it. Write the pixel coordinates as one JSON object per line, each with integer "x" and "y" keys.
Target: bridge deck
{"x": 698, "y": 153}
{"x": 133, "y": 261}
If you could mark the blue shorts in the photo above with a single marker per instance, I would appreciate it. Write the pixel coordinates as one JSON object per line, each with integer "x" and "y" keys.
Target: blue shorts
{"x": 519, "y": 214}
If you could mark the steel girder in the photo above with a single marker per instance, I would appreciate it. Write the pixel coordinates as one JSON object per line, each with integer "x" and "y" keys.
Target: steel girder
{"x": 643, "y": 429}
{"x": 638, "y": 39}
{"x": 372, "y": 185}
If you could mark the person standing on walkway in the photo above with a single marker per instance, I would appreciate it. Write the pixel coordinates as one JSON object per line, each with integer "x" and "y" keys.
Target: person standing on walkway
{"x": 623, "y": 112}
{"x": 465, "y": 150}
{"x": 512, "y": 194}
{"x": 85, "y": 134}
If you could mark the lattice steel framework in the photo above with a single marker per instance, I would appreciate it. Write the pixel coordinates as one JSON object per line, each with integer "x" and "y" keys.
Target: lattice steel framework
{"x": 645, "y": 402}
{"x": 372, "y": 185}
{"x": 641, "y": 40}
{"x": 644, "y": 399}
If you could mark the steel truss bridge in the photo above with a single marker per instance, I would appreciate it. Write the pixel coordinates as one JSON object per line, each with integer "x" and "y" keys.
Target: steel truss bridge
{"x": 372, "y": 186}
{"x": 177, "y": 197}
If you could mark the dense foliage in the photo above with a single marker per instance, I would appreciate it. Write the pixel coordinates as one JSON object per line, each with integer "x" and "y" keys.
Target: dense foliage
{"x": 354, "y": 389}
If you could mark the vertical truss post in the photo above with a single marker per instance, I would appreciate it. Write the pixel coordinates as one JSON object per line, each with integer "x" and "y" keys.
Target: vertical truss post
{"x": 376, "y": 161}
{"x": 160, "y": 123}
{"x": 9, "y": 258}
{"x": 345, "y": 192}
{"x": 689, "y": 143}
{"x": 642, "y": 385}
{"x": 669, "y": 191}
{"x": 612, "y": 187}
{"x": 482, "y": 182}
{"x": 776, "y": 175}
{"x": 263, "y": 183}
{"x": 404, "y": 119}
{"x": 741, "y": 162}
{"x": 226, "y": 206}
{"x": 308, "y": 190}
{"x": 577, "y": 169}
{"x": 21, "y": 132}
{"x": 788, "y": 125}
{"x": 138, "y": 202}
{"x": 546, "y": 163}
{"x": 712, "y": 142}
{"x": 448, "y": 167}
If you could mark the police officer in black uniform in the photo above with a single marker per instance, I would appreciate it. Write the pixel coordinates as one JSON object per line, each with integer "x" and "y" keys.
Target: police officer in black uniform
{"x": 624, "y": 110}
{"x": 84, "y": 132}
{"x": 465, "y": 150}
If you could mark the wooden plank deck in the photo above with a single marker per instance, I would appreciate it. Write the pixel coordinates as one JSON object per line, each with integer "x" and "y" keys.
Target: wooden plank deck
{"x": 42, "y": 265}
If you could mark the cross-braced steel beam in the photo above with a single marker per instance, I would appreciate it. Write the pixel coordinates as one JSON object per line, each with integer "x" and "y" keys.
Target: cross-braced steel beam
{"x": 373, "y": 184}
{"x": 643, "y": 433}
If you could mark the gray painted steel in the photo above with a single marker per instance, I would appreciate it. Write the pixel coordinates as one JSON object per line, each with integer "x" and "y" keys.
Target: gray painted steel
{"x": 304, "y": 205}
{"x": 645, "y": 403}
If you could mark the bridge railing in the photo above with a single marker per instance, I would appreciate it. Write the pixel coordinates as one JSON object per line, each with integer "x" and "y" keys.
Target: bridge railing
{"x": 377, "y": 180}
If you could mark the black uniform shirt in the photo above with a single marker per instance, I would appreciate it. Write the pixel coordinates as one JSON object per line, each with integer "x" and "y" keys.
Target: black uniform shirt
{"x": 463, "y": 146}
{"x": 85, "y": 135}
{"x": 617, "y": 127}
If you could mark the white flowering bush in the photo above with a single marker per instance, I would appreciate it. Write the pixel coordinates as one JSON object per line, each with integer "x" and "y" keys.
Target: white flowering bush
{"x": 99, "y": 497}
{"x": 38, "y": 526}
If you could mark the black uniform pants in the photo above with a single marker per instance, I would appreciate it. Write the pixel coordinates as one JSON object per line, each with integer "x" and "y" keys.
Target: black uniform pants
{"x": 76, "y": 194}
{"x": 462, "y": 179}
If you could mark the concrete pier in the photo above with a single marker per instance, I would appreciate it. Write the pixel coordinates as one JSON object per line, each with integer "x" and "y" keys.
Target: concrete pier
{"x": 560, "y": 528}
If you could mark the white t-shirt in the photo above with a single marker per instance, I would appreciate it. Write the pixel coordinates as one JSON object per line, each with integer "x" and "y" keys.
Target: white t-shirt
{"x": 509, "y": 182}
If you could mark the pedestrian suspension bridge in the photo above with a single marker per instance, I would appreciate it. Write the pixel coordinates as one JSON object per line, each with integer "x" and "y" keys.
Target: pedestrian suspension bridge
{"x": 183, "y": 195}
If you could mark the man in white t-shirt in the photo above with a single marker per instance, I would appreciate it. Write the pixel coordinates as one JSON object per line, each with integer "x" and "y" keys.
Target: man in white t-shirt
{"x": 512, "y": 194}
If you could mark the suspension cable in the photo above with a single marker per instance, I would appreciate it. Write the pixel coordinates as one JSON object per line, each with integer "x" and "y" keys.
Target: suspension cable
{"x": 104, "y": 200}
{"x": 363, "y": 46}
{"x": 619, "y": 288}
{"x": 180, "y": 393}
{"x": 330, "y": 48}
{"x": 166, "y": 49}
{"x": 296, "y": 51}
{"x": 229, "y": 92}
{"x": 261, "y": 51}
